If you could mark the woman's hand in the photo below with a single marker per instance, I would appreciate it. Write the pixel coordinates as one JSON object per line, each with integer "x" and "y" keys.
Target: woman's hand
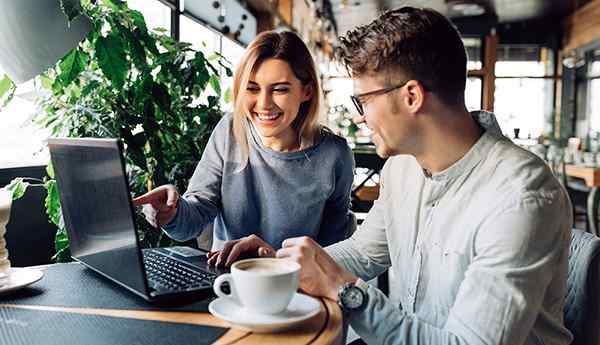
{"x": 250, "y": 246}
{"x": 159, "y": 205}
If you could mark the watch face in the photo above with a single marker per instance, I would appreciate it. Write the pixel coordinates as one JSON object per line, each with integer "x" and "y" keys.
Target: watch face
{"x": 353, "y": 298}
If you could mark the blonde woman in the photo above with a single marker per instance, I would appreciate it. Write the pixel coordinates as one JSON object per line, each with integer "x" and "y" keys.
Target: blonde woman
{"x": 269, "y": 169}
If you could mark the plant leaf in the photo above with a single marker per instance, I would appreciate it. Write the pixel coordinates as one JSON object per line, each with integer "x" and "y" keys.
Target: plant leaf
{"x": 71, "y": 8}
{"x": 215, "y": 83}
{"x": 71, "y": 66}
{"x": 50, "y": 170}
{"x": 5, "y": 85}
{"x": 138, "y": 20}
{"x": 227, "y": 95}
{"x": 161, "y": 96}
{"x": 17, "y": 187}
{"x": 61, "y": 245}
{"x": 7, "y": 91}
{"x": 112, "y": 59}
{"x": 53, "y": 203}
{"x": 46, "y": 82}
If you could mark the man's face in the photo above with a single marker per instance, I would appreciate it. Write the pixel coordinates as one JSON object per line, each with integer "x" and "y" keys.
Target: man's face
{"x": 392, "y": 129}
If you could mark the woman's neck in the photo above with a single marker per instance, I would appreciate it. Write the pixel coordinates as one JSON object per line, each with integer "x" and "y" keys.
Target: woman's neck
{"x": 288, "y": 141}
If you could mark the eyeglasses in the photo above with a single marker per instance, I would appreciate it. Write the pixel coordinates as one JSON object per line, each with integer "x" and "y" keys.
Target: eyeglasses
{"x": 359, "y": 104}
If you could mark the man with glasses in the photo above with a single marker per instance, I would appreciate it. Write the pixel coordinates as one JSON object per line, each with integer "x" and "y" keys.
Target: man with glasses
{"x": 477, "y": 229}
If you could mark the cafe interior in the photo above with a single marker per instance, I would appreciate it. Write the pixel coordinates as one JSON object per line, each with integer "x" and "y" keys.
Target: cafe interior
{"x": 534, "y": 63}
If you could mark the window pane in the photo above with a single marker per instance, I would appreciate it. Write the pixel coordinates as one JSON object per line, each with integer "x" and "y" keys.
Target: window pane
{"x": 473, "y": 93}
{"x": 233, "y": 53}
{"x": 523, "y": 103}
{"x": 21, "y": 142}
{"x": 474, "y": 52}
{"x": 594, "y": 64}
{"x": 155, "y": 13}
{"x": 201, "y": 37}
{"x": 524, "y": 61}
{"x": 594, "y": 104}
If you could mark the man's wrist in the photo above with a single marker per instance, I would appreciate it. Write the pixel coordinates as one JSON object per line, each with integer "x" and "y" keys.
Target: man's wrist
{"x": 341, "y": 280}
{"x": 352, "y": 297}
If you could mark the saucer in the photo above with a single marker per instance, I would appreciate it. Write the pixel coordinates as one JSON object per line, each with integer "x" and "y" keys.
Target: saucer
{"x": 20, "y": 277}
{"x": 301, "y": 308}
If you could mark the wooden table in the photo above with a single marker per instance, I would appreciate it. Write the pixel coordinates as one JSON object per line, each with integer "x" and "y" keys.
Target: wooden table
{"x": 323, "y": 329}
{"x": 591, "y": 176}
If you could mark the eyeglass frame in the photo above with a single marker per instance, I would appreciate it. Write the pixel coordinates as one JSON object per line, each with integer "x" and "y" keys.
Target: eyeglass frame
{"x": 359, "y": 105}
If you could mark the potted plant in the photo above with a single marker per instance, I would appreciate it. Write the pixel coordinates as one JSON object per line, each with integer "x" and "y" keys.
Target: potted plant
{"x": 158, "y": 95}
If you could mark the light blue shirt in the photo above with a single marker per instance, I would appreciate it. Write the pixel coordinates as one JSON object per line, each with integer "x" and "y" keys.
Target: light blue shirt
{"x": 276, "y": 196}
{"x": 479, "y": 250}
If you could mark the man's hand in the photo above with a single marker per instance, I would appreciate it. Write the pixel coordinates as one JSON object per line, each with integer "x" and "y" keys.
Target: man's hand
{"x": 250, "y": 246}
{"x": 159, "y": 205}
{"x": 320, "y": 275}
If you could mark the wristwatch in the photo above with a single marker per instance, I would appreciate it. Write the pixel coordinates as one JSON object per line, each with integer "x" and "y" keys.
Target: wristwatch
{"x": 351, "y": 297}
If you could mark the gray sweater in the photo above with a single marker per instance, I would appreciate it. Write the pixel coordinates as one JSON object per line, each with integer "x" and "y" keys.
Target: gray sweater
{"x": 278, "y": 195}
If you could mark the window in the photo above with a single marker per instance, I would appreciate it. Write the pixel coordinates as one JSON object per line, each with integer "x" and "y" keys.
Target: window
{"x": 473, "y": 91}
{"x": 201, "y": 37}
{"x": 474, "y": 52}
{"x": 208, "y": 41}
{"x": 21, "y": 142}
{"x": 156, "y": 14}
{"x": 524, "y": 89}
{"x": 593, "y": 94}
{"x": 233, "y": 52}
{"x": 474, "y": 85}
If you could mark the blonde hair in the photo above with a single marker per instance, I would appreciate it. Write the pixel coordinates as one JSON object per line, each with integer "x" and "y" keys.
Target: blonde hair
{"x": 286, "y": 46}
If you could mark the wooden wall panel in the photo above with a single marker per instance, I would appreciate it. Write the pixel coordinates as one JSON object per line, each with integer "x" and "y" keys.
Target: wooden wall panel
{"x": 583, "y": 26}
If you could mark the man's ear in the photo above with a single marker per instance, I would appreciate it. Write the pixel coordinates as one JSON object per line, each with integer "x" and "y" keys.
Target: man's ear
{"x": 414, "y": 96}
{"x": 307, "y": 92}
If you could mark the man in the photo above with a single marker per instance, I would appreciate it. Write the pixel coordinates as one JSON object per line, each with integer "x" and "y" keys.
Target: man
{"x": 477, "y": 229}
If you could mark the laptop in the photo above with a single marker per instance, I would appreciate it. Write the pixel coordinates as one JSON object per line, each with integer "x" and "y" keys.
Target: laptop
{"x": 100, "y": 221}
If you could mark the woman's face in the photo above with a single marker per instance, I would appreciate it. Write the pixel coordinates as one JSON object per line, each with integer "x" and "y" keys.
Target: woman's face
{"x": 273, "y": 97}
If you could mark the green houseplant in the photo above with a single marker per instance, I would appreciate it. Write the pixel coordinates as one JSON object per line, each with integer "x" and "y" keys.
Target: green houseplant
{"x": 161, "y": 97}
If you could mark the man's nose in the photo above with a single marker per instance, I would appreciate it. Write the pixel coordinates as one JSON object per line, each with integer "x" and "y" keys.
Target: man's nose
{"x": 359, "y": 119}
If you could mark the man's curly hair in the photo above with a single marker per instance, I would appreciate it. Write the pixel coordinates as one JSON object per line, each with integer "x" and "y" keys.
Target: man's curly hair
{"x": 414, "y": 43}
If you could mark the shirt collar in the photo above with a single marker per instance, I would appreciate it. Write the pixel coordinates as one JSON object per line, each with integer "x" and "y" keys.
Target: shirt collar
{"x": 492, "y": 133}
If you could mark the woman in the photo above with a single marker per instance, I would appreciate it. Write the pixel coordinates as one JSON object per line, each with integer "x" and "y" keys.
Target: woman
{"x": 269, "y": 169}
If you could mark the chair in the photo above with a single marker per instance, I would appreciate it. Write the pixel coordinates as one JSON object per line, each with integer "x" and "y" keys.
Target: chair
{"x": 583, "y": 216}
{"x": 582, "y": 308}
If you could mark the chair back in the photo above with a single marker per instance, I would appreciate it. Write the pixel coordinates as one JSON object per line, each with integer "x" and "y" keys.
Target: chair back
{"x": 582, "y": 309}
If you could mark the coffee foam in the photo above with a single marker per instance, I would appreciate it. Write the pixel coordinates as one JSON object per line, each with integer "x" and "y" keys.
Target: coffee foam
{"x": 269, "y": 267}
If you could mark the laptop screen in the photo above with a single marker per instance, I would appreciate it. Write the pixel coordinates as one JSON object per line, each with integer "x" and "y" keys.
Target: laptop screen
{"x": 97, "y": 210}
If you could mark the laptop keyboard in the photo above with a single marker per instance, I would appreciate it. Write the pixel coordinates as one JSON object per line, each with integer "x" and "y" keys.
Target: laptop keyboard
{"x": 165, "y": 273}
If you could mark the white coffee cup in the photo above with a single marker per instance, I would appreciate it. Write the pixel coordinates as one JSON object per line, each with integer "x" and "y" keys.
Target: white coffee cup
{"x": 5, "y": 203}
{"x": 262, "y": 285}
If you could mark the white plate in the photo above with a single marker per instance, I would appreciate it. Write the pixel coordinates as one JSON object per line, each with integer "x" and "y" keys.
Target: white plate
{"x": 20, "y": 277}
{"x": 301, "y": 308}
